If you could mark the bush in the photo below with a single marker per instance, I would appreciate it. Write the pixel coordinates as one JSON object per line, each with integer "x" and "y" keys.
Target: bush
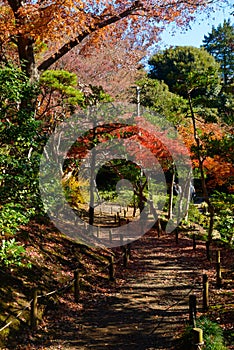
{"x": 76, "y": 190}
{"x": 224, "y": 206}
{"x": 12, "y": 216}
{"x": 212, "y": 335}
{"x": 11, "y": 253}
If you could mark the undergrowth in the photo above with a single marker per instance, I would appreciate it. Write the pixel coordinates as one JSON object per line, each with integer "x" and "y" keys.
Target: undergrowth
{"x": 212, "y": 335}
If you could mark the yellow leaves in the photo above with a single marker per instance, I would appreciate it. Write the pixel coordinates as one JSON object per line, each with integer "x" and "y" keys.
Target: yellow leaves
{"x": 7, "y": 25}
{"x": 76, "y": 190}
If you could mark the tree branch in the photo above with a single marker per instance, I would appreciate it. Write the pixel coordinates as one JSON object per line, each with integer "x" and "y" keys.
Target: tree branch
{"x": 74, "y": 42}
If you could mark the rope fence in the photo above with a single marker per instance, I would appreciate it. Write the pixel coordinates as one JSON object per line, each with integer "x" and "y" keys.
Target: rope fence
{"x": 33, "y": 303}
{"x": 125, "y": 256}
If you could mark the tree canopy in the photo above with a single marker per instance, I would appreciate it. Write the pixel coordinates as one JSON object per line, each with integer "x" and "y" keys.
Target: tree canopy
{"x": 219, "y": 43}
{"x": 186, "y": 69}
{"x": 61, "y": 25}
{"x": 185, "y": 82}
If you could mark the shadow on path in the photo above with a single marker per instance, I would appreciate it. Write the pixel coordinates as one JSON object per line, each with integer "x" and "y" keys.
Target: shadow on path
{"x": 147, "y": 312}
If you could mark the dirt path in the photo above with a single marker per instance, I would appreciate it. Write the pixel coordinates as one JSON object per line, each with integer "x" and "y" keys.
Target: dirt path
{"x": 145, "y": 310}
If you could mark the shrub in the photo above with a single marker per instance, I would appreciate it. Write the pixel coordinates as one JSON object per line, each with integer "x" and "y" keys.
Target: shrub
{"x": 76, "y": 190}
{"x": 12, "y": 216}
{"x": 212, "y": 335}
{"x": 224, "y": 206}
{"x": 11, "y": 253}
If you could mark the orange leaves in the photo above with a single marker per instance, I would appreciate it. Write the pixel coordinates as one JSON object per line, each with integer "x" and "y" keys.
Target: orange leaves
{"x": 218, "y": 170}
{"x": 61, "y": 21}
{"x": 207, "y": 131}
{"x": 6, "y": 23}
{"x": 142, "y": 145}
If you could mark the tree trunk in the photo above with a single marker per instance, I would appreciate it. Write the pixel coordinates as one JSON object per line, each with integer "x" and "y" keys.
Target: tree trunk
{"x": 27, "y": 59}
{"x": 203, "y": 180}
{"x": 170, "y": 205}
{"x": 92, "y": 180}
{"x": 188, "y": 195}
{"x": 24, "y": 43}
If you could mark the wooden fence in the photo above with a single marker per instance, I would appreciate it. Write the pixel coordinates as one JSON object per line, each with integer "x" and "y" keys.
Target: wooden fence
{"x": 125, "y": 255}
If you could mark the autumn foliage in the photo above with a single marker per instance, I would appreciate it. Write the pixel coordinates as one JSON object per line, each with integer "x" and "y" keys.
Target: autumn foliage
{"x": 219, "y": 169}
{"x": 61, "y": 25}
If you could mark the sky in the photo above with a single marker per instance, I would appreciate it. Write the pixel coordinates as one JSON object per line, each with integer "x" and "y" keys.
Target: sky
{"x": 200, "y": 27}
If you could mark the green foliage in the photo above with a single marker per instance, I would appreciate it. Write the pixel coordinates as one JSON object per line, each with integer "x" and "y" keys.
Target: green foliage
{"x": 226, "y": 105}
{"x": 224, "y": 220}
{"x": 155, "y": 94}
{"x": 194, "y": 215}
{"x": 76, "y": 190}
{"x": 212, "y": 335}
{"x": 224, "y": 145}
{"x": 65, "y": 83}
{"x": 186, "y": 69}
{"x": 219, "y": 43}
{"x": 190, "y": 72}
{"x": 116, "y": 170}
{"x": 11, "y": 253}
{"x": 14, "y": 85}
{"x": 12, "y": 216}
{"x": 224, "y": 207}
{"x": 108, "y": 195}
{"x": 19, "y": 159}
{"x": 97, "y": 95}
{"x": 19, "y": 155}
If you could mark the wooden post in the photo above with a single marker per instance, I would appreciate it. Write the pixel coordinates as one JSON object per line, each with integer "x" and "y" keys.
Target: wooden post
{"x": 197, "y": 338}
{"x": 115, "y": 218}
{"x": 208, "y": 251}
{"x": 119, "y": 222}
{"x": 192, "y": 310}
{"x": 90, "y": 230}
{"x": 125, "y": 213}
{"x": 98, "y": 231}
{"x": 33, "y": 311}
{"x": 111, "y": 269}
{"x": 125, "y": 256}
{"x": 110, "y": 236}
{"x": 158, "y": 227}
{"x": 142, "y": 227}
{"x": 218, "y": 270}
{"x": 205, "y": 293}
{"x": 194, "y": 241}
{"x": 121, "y": 239}
{"x": 177, "y": 235}
{"x": 76, "y": 286}
{"x": 111, "y": 210}
{"x": 129, "y": 249}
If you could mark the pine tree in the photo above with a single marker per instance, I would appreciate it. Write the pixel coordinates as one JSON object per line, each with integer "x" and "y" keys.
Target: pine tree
{"x": 220, "y": 44}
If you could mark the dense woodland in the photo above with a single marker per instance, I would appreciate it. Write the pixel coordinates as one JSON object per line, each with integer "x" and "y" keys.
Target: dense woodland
{"x": 63, "y": 58}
